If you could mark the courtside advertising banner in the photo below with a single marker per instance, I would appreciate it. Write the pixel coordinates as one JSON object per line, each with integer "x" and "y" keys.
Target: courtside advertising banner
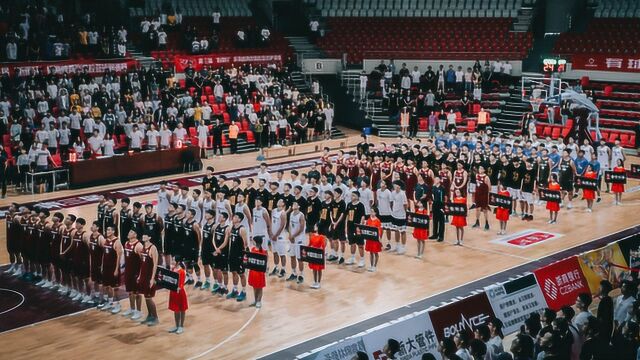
{"x": 630, "y": 248}
{"x": 342, "y": 350}
{"x": 513, "y": 301}
{"x": 561, "y": 282}
{"x": 462, "y": 315}
{"x": 413, "y": 332}
{"x": 596, "y": 266}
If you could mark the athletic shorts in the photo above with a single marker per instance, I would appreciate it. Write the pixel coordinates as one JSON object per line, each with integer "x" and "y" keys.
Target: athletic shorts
{"x": 159, "y": 244}
{"x": 280, "y": 246}
{"x": 189, "y": 255}
{"x": 235, "y": 264}
{"x": 353, "y": 238}
{"x": 323, "y": 229}
{"x": 526, "y": 197}
{"x": 207, "y": 257}
{"x": 385, "y": 220}
{"x": 130, "y": 282}
{"x": 398, "y": 224}
{"x": 338, "y": 234}
{"x": 294, "y": 249}
{"x": 566, "y": 185}
{"x": 515, "y": 193}
{"x": 221, "y": 261}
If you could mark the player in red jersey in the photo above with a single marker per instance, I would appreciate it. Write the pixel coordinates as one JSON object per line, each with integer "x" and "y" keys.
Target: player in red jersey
{"x": 110, "y": 268}
{"x": 147, "y": 278}
{"x": 131, "y": 270}
{"x": 95, "y": 253}
{"x": 81, "y": 262}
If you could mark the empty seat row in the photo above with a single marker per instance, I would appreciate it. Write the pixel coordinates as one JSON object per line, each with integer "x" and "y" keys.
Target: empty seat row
{"x": 420, "y": 12}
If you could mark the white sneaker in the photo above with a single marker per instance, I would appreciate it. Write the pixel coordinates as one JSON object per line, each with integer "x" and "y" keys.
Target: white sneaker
{"x": 258, "y": 305}
{"x": 48, "y": 285}
{"x": 375, "y": 268}
{"x": 569, "y": 206}
{"x": 172, "y": 330}
{"x": 86, "y": 299}
{"x": 370, "y": 269}
{"x": 41, "y": 282}
{"x": 136, "y": 315}
{"x": 73, "y": 293}
{"x": 127, "y": 313}
{"x": 350, "y": 261}
{"x": 62, "y": 289}
{"x": 107, "y": 306}
{"x": 115, "y": 309}
{"x": 402, "y": 251}
{"x": 77, "y": 297}
{"x": 181, "y": 329}
{"x": 10, "y": 269}
{"x": 18, "y": 272}
{"x": 589, "y": 210}
{"x": 361, "y": 263}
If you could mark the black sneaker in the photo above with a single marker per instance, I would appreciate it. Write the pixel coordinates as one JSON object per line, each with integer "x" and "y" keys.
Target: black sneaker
{"x": 599, "y": 199}
{"x": 432, "y": 237}
{"x": 476, "y": 225}
{"x": 341, "y": 261}
{"x": 332, "y": 258}
{"x": 387, "y": 247}
{"x": 274, "y": 272}
{"x": 530, "y": 218}
{"x": 189, "y": 282}
{"x": 473, "y": 206}
{"x": 198, "y": 284}
{"x": 291, "y": 277}
{"x": 524, "y": 217}
{"x": 486, "y": 226}
{"x": 440, "y": 240}
{"x": 282, "y": 273}
{"x": 300, "y": 279}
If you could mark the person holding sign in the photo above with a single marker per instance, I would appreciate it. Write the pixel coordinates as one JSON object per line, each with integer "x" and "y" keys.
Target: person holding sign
{"x": 178, "y": 302}
{"x": 502, "y": 214}
{"x": 589, "y": 194}
{"x": 147, "y": 278}
{"x": 421, "y": 234}
{"x": 374, "y": 247}
{"x": 553, "y": 206}
{"x": 459, "y": 221}
{"x": 355, "y": 215}
{"x": 257, "y": 279}
{"x": 318, "y": 241}
{"x": 618, "y": 188}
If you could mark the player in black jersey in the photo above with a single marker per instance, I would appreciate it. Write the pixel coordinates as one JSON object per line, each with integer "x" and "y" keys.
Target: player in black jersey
{"x": 312, "y": 209}
{"x": 324, "y": 219}
{"x": 136, "y": 219}
{"x": 123, "y": 220}
{"x": 232, "y": 194}
{"x": 237, "y": 246}
{"x": 207, "y": 246}
{"x": 209, "y": 181}
{"x": 221, "y": 233}
{"x": 102, "y": 205}
{"x": 178, "y": 228}
{"x": 110, "y": 215}
{"x": 250, "y": 194}
{"x": 337, "y": 234}
{"x": 493, "y": 171}
{"x": 271, "y": 200}
{"x": 354, "y": 215}
{"x": 192, "y": 242}
{"x": 566, "y": 174}
{"x": 261, "y": 191}
{"x": 527, "y": 186}
{"x": 169, "y": 233}
{"x": 543, "y": 171}
{"x": 153, "y": 227}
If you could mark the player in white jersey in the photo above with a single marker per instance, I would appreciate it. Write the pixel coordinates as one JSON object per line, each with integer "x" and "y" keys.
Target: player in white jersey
{"x": 587, "y": 148}
{"x": 260, "y": 223}
{"x": 604, "y": 158}
{"x": 164, "y": 198}
{"x": 278, "y": 237}
{"x": 366, "y": 197}
{"x": 297, "y": 237}
{"x": 617, "y": 153}
{"x": 207, "y": 203}
{"x": 383, "y": 201}
{"x": 241, "y": 207}
{"x": 222, "y": 206}
{"x": 195, "y": 204}
{"x": 183, "y": 197}
{"x": 324, "y": 186}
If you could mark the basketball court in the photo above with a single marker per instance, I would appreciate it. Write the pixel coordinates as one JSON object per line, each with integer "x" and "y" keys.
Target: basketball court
{"x": 294, "y": 319}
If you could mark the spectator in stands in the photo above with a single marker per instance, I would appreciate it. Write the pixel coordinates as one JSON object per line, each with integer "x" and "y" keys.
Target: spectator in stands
{"x": 363, "y": 85}
{"x": 522, "y": 347}
{"x": 233, "y": 136}
{"x": 265, "y": 37}
{"x": 162, "y": 39}
{"x": 477, "y": 348}
{"x": 241, "y": 39}
{"x": 461, "y": 340}
{"x": 582, "y": 305}
{"x": 441, "y": 75}
{"x": 624, "y": 303}
{"x": 216, "y": 19}
{"x": 459, "y": 87}
{"x": 314, "y": 27}
{"x": 450, "y": 79}
{"x": 391, "y": 348}
{"x": 494, "y": 344}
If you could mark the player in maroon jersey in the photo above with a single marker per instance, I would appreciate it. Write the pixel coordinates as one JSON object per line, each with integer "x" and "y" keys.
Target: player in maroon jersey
{"x": 66, "y": 255}
{"x": 81, "y": 262}
{"x": 131, "y": 271}
{"x": 147, "y": 278}
{"x": 110, "y": 268}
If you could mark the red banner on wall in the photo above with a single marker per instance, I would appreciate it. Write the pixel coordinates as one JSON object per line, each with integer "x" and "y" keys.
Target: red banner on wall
{"x": 198, "y": 61}
{"x": 463, "y": 315}
{"x": 561, "y": 282}
{"x": 601, "y": 62}
{"x": 68, "y": 66}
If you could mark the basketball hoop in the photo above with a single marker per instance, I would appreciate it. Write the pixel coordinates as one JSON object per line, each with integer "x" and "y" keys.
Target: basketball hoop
{"x": 535, "y": 104}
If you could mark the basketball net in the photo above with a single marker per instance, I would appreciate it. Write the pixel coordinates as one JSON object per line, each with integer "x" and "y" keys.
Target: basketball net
{"x": 535, "y": 104}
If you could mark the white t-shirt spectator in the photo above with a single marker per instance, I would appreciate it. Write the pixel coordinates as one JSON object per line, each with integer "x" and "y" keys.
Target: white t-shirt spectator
{"x": 507, "y": 68}
{"x": 122, "y": 35}
{"x": 384, "y": 201}
{"x": 144, "y": 26}
{"x": 459, "y": 76}
{"x": 75, "y": 121}
{"x": 363, "y": 81}
{"x": 109, "y": 145}
{"x": 398, "y": 202}
{"x": 218, "y": 91}
{"x": 204, "y": 44}
{"x": 95, "y": 144}
{"x": 136, "y": 139}
{"x": 12, "y": 51}
{"x": 88, "y": 125}
{"x": 42, "y": 107}
{"x": 93, "y": 37}
{"x": 405, "y": 82}
{"x": 313, "y": 25}
{"x": 497, "y": 66}
{"x": 42, "y": 157}
{"x": 42, "y": 135}
{"x": 241, "y": 35}
{"x": 195, "y": 46}
{"x": 415, "y": 77}
{"x": 65, "y": 134}
{"x": 180, "y": 133}
{"x": 52, "y": 137}
{"x": 162, "y": 37}
{"x": 152, "y": 138}
{"x": 216, "y": 17}
{"x": 206, "y": 112}
{"x": 165, "y": 138}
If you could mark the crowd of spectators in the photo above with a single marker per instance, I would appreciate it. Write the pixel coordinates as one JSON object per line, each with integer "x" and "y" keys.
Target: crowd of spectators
{"x": 46, "y": 116}
{"x": 38, "y": 32}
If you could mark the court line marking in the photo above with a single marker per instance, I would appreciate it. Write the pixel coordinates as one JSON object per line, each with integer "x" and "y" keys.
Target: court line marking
{"x": 255, "y": 313}
{"x": 17, "y": 306}
{"x": 436, "y": 294}
{"x": 47, "y": 320}
{"x": 497, "y": 252}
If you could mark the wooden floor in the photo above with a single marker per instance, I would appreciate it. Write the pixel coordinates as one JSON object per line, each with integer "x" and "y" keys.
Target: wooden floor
{"x": 291, "y": 314}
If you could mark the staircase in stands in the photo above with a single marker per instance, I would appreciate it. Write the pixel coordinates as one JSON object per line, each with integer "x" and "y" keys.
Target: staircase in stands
{"x": 508, "y": 121}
